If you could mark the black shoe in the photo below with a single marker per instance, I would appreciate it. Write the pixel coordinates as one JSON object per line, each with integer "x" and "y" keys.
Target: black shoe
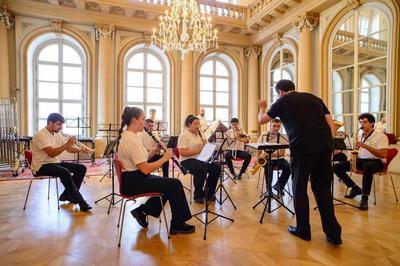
{"x": 84, "y": 207}
{"x": 140, "y": 217}
{"x": 335, "y": 242}
{"x": 239, "y": 176}
{"x": 199, "y": 200}
{"x": 294, "y": 231}
{"x": 69, "y": 198}
{"x": 355, "y": 191}
{"x": 183, "y": 228}
{"x": 278, "y": 190}
{"x": 363, "y": 204}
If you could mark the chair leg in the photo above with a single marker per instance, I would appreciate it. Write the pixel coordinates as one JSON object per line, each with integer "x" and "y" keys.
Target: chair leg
{"x": 394, "y": 189}
{"x": 374, "y": 192}
{"x": 120, "y": 212}
{"x": 48, "y": 189}
{"x": 27, "y": 194}
{"x": 191, "y": 189}
{"x": 58, "y": 202}
{"x": 122, "y": 224}
{"x": 165, "y": 217}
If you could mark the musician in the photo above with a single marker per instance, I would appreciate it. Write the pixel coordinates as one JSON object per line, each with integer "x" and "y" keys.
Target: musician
{"x": 137, "y": 178}
{"x": 203, "y": 119}
{"x": 309, "y": 126}
{"x": 152, "y": 147}
{"x": 190, "y": 144}
{"x": 47, "y": 145}
{"x": 152, "y": 114}
{"x": 237, "y": 148}
{"x": 278, "y": 159}
{"x": 371, "y": 157}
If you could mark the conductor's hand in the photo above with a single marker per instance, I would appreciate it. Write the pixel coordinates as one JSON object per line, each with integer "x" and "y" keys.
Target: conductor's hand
{"x": 262, "y": 104}
{"x": 71, "y": 141}
{"x": 167, "y": 155}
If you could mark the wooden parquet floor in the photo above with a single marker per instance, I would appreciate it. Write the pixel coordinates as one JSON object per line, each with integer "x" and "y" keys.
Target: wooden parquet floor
{"x": 41, "y": 235}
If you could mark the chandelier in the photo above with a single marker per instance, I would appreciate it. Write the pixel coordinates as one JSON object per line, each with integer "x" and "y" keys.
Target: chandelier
{"x": 185, "y": 29}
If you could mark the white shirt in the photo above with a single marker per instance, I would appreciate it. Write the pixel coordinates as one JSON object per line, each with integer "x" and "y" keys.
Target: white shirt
{"x": 147, "y": 141}
{"x": 236, "y": 145}
{"x": 188, "y": 140}
{"x": 377, "y": 140}
{"x": 43, "y": 139}
{"x": 131, "y": 151}
{"x": 203, "y": 123}
{"x": 272, "y": 138}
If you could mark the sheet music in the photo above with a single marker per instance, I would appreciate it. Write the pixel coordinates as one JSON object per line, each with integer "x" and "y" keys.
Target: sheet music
{"x": 207, "y": 152}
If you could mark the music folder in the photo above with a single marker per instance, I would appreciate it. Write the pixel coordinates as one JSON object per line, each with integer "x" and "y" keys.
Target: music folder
{"x": 207, "y": 152}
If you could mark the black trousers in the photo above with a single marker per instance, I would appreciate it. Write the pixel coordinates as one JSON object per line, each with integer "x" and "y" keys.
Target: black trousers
{"x": 136, "y": 182}
{"x": 70, "y": 174}
{"x": 239, "y": 154}
{"x": 282, "y": 165}
{"x": 165, "y": 166}
{"x": 199, "y": 170}
{"x": 368, "y": 166}
{"x": 317, "y": 167}
{"x": 339, "y": 157}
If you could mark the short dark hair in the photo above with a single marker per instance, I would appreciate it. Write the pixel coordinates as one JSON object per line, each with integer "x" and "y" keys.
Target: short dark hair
{"x": 234, "y": 120}
{"x": 368, "y": 116}
{"x": 55, "y": 117}
{"x": 276, "y": 120}
{"x": 152, "y": 110}
{"x": 149, "y": 120}
{"x": 190, "y": 119}
{"x": 285, "y": 85}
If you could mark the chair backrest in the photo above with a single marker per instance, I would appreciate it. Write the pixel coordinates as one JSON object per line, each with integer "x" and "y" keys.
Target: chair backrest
{"x": 176, "y": 152}
{"x": 118, "y": 171}
{"x": 391, "y": 153}
{"x": 392, "y": 138}
{"x": 28, "y": 157}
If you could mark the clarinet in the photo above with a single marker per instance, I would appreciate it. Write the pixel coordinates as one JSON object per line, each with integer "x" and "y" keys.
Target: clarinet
{"x": 174, "y": 159}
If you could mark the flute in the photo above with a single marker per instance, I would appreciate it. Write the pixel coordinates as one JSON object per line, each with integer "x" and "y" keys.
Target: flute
{"x": 174, "y": 159}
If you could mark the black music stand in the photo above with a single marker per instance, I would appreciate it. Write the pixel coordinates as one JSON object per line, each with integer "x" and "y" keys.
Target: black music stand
{"x": 79, "y": 123}
{"x": 160, "y": 126}
{"x": 172, "y": 143}
{"x": 109, "y": 152}
{"x": 111, "y": 131}
{"x": 268, "y": 195}
{"x": 206, "y": 211}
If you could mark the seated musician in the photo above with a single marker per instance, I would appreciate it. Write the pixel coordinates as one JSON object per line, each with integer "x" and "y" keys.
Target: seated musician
{"x": 152, "y": 147}
{"x": 136, "y": 177}
{"x": 190, "y": 145}
{"x": 237, "y": 148}
{"x": 47, "y": 145}
{"x": 278, "y": 159}
{"x": 371, "y": 157}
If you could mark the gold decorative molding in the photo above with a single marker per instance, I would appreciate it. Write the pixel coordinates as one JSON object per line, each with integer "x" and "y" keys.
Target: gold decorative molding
{"x": 278, "y": 37}
{"x": 56, "y": 25}
{"x": 105, "y": 31}
{"x": 353, "y": 3}
{"x": 252, "y": 51}
{"x": 309, "y": 20}
{"x": 6, "y": 17}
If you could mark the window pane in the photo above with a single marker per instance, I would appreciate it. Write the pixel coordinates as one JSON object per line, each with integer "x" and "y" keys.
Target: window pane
{"x": 222, "y": 85}
{"x": 222, "y": 98}
{"x": 48, "y": 90}
{"x": 46, "y": 108}
{"x": 221, "y": 69}
{"x": 135, "y": 105}
{"x": 134, "y": 94}
{"x": 207, "y": 68}
{"x": 70, "y": 55}
{"x": 153, "y": 63}
{"x": 206, "y": 84}
{"x": 154, "y": 80}
{"x": 209, "y": 113}
{"x": 136, "y": 61}
{"x": 49, "y": 53}
{"x": 72, "y": 110}
{"x": 135, "y": 78}
{"x": 159, "y": 114}
{"x": 72, "y": 91}
{"x": 42, "y": 123}
{"x": 72, "y": 74}
{"x": 206, "y": 97}
{"x": 221, "y": 113}
{"x": 48, "y": 73}
{"x": 154, "y": 95}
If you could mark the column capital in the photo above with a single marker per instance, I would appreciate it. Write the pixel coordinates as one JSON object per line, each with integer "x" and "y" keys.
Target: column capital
{"x": 353, "y": 3}
{"x": 104, "y": 31}
{"x": 6, "y": 17}
{"x": 309, "y": 20}
{"x": 252, "y": 51}
{"x": 56, "y": 25}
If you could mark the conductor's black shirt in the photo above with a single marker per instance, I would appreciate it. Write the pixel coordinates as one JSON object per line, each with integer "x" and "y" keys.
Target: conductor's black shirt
{"x": 303, "y": 116}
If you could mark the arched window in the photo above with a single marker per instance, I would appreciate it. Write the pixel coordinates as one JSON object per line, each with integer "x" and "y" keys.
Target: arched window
{"x": 358, "y": 56}
{"x": 281, "y": 66}
{"x": 59, "y": 81}
{"x": 218, "y": 87}
{"x": 146, "y": 80}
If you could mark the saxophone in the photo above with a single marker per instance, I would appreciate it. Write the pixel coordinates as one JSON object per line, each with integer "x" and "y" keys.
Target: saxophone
{"x": 261, "y": 161}
{"x": 354, "y": 153}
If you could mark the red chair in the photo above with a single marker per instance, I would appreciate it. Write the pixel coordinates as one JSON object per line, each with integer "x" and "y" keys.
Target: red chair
{"x": 391, "y": 153}
{"x": 127, "y": 198}
{"x": 392, "y": 138}
{"x": 28, "y": 158}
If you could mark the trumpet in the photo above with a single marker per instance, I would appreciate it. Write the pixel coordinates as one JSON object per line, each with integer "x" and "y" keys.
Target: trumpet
{"x": 261, "y": 161}
{"x": 80, "y": 145}
{"x": 174, "y": 159}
